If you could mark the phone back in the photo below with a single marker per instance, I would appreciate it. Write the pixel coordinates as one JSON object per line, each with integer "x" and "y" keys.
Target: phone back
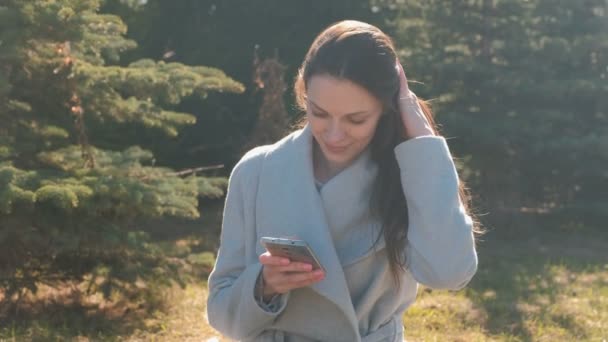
{"x": 294, "y": 250}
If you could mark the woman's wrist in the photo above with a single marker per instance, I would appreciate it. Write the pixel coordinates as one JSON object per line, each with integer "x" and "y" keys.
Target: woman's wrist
{"x": 262, "y": 291}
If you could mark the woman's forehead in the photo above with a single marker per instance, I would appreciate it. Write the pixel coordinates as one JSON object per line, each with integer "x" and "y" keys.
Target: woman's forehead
{"x": 336, "y": 95}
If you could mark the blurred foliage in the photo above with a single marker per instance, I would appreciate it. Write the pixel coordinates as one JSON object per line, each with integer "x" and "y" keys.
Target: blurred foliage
{"x": 518, "y": 85}
{"x": 74, "y": 181}
{"x": 228, "y": 35}
{"x": 521, "y": 87}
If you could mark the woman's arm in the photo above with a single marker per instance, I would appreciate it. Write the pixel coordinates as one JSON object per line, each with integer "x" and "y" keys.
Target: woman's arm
{"x": 441, "y": 247}
{"x": 232, "y": 307}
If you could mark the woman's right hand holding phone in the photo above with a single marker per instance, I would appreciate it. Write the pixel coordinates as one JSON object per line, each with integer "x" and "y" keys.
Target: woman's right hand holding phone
{"x": 281, "y": 275}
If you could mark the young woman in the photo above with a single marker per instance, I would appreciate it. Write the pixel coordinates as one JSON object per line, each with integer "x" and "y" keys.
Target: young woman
{"x": 367, "y": 182}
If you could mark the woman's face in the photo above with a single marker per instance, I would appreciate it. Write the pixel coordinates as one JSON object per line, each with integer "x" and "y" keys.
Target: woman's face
{"x": 343, "y": 117}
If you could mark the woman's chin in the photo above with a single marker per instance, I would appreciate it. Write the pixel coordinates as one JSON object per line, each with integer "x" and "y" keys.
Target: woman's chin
{"x": 339, "y": 158}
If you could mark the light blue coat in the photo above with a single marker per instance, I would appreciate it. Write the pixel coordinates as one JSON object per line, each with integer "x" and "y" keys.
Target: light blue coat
{"x": 272, "y": 193}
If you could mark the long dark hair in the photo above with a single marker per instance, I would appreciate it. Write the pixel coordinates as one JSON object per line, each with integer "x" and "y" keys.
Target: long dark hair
{"x": 363, "y": 54}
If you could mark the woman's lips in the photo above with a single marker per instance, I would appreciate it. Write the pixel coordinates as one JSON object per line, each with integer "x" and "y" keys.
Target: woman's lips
{"x": 335, "y": 149}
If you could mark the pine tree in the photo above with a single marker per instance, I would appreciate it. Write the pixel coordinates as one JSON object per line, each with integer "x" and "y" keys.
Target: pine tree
{"x": 235, "y": 28}
{"x": 74, "y": 180}
{"x": 519, "y": 86}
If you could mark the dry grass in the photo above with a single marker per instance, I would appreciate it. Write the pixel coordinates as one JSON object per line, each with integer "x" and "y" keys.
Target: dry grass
{"x": 184, "y": 321}
{"x": 540, "y": 284}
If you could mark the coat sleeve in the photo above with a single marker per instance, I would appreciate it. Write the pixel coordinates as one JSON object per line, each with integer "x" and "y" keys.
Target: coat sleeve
{"x": 441, "y": 246}
{"x": 232, "y": 308}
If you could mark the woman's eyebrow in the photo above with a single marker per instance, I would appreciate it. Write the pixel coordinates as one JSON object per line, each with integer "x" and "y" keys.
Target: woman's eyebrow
{"x": 323, "y": 110}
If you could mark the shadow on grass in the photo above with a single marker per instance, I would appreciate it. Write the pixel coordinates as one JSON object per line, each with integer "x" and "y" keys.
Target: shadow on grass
{"x": 58, "y": 321}
{"x": 67, "y": 313}
{"x": 524, "y": 273}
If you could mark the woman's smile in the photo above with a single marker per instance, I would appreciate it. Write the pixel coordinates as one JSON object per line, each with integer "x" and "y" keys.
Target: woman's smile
{"x": 335, "y": 149}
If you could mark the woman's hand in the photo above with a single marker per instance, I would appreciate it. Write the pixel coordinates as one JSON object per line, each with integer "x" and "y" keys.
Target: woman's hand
{"x": 282, "y": 275}
{"x": 414, "y": 120}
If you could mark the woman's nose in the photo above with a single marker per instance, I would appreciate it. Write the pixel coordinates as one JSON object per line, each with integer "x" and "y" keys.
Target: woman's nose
{"x": 334, "y": 133}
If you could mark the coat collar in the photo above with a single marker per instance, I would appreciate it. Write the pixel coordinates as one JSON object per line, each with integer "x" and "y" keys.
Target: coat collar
{"x": 289, "y": 205}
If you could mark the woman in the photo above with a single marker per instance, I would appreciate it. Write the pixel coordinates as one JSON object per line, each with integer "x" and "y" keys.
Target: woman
{"x": 367, "y": 183}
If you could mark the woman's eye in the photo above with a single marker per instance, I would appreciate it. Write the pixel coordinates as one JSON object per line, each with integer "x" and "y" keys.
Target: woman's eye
{"x": 352, "y": 121}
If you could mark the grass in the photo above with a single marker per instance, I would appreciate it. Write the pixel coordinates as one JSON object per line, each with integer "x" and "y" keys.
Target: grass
{"x": 557, "y": 301}
{"x": 538, "y": 280}
{"x": 533, "y": 284}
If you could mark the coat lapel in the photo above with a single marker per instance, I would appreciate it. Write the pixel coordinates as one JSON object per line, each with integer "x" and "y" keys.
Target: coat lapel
{"x": 346, "y": 199}
{"x": 289, "y": 205}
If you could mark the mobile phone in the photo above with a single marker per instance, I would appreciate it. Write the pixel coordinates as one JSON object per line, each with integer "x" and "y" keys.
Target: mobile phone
{"x": 294, "y": 250}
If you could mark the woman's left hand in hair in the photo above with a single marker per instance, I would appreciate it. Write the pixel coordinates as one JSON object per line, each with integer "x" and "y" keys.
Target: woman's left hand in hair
{"x": 412, "y": 115}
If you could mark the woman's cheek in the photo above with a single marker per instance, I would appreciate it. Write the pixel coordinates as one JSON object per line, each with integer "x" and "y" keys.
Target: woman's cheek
{"x": 316, "y": 124}
{"x": 364, "y": 132}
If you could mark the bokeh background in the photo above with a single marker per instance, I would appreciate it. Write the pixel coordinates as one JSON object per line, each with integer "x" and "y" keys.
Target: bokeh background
{"x": 120, "y": 121}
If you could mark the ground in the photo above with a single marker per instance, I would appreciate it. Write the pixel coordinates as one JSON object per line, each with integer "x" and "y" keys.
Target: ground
{"x": 539, "y": 279}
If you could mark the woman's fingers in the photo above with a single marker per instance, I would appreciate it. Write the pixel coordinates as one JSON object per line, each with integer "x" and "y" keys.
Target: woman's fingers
{"x": 295, "y": 267}
{"x": 283, "y": 282}
{"x": 292, "y": 267}
{"x": 269, "y": 260}
{"x": 282, "y": 275}
{"x": 281, "y": 264}
{"x": 296, "y": 280}
{"x": 404, "y": 89}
